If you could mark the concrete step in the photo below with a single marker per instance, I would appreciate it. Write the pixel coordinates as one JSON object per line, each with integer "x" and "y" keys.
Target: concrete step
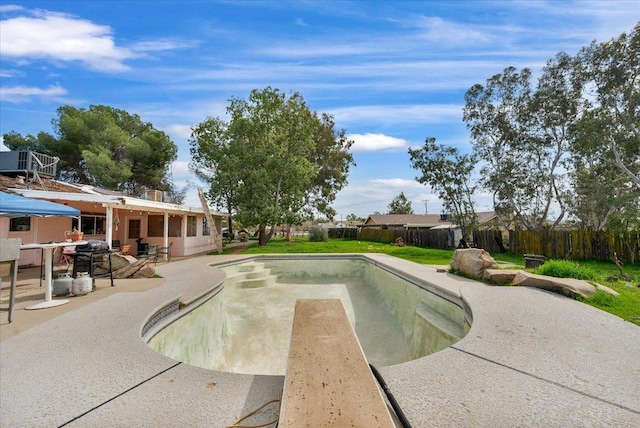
{"x": 262, "y": 281}
{"x": 448, "y": 326}
{"x": 249, "y": 267}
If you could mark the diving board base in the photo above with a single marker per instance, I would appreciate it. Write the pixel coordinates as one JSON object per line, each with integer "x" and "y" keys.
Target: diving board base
{"x": 328, "y": 381}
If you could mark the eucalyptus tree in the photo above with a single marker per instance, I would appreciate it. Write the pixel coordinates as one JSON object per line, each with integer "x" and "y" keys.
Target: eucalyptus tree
{"x": 606, "y": 137}
{"x": 273, "y": 161}
{"x": 609, "y": 126}
{"x": 521, "y": 135}
{"x": 493, "y": 114}
{"x": 448, "y": 172}
{"x": 601, "y": 193}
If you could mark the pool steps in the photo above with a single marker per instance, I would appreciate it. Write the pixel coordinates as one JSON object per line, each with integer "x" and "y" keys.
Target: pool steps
{"x": 250, "y": 275}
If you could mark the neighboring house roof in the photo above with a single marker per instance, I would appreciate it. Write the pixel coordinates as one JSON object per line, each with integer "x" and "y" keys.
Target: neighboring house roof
{"x": 426, "y": 220}
{"x": 419, "y": 220}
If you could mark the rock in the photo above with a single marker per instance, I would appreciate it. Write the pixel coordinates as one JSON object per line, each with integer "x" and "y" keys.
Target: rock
{"x": 500, "y": 276}
{"x": 607, "y": 289}
{"x": 129, "y": 270}
{"x": 567, "y": 286}
{"x": 145, "y": 272}
{"x": 472, "y": 261}
{"x": 118, "y": 261}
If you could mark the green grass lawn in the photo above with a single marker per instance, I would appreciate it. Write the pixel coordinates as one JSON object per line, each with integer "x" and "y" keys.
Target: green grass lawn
{"x": 626, "y": 306}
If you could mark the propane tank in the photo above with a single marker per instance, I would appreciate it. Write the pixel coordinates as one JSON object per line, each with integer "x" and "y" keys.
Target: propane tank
{"x": 62, "y": 285}
{"x": 82, "y": 284}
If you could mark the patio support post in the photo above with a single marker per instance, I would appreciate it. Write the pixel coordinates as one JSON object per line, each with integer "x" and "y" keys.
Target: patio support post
{"x": 109, "y": 230}
{"x": 183, "y": 228}
{"x": 165, "y": 234}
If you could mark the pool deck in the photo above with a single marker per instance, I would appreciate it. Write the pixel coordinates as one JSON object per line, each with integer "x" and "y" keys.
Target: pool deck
{"x": 531, "y": 358}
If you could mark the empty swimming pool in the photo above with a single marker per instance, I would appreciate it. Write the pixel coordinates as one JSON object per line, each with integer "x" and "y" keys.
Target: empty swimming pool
{"x": 246, "y": 326}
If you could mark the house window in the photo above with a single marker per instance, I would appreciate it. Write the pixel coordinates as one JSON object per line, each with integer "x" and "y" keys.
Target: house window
{"x": 205, "y": 227}
{"x": 192, "y": 225}
{"x": 92, "y": 224}
{"x": 155, "y": 226}
{"x": 20, "y": 224}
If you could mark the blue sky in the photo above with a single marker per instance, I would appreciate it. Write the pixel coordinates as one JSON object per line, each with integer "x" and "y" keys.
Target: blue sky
{"x": 391, "y": 73}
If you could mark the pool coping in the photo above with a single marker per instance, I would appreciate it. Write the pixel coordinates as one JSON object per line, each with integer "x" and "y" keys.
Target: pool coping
{"x": 530, "y": 358}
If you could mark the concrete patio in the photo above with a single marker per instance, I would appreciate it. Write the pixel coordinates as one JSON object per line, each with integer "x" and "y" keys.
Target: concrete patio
{"x": 531, "y": 358}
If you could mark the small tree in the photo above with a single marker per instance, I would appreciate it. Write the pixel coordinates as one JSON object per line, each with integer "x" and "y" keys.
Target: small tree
{"x": 449, "y": 173}
{"x": 400, "y": 205}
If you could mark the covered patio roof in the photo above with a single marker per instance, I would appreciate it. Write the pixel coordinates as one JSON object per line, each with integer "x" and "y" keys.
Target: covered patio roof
{"x": 115, "y": 201}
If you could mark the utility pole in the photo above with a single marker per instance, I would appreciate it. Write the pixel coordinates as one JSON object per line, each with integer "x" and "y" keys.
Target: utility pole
{"x": 426, "y": 208}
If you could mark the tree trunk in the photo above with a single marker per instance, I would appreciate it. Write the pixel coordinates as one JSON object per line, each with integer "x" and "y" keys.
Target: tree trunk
{"x": 289, "y": 236}
{"x": 262, "y": 235}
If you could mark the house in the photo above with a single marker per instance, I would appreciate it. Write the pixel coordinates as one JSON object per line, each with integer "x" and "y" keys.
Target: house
{"x": 424, "y": 221}
{"x": 419, "y": 221}
{"x": 107, "y": 216}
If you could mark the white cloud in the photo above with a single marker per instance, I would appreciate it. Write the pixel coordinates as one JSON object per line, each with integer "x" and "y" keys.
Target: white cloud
{"x": 60, "y": 37}
{"x": 10, "y": 8}
{"x": 365, "y": 198}
{"x": 373, "y": 142}
{"x": 438, "y": 30}
{"x": 17, "y": 94}
{"x": 397, "y": 183}
{"x": 178, "y": 131}
{"x": 161, "y": 45}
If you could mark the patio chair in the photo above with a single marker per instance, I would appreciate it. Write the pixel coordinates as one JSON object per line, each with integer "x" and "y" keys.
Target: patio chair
{"x": 115, "y": 245}
{"x": 9, "y": 254}
{"x": 151, "y": 253}
{"x": 67, "y": 255}
{"x": 162, "y": 251}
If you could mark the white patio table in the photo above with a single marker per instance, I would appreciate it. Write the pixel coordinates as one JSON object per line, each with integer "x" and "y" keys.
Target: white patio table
{"x": 48, "y": 249}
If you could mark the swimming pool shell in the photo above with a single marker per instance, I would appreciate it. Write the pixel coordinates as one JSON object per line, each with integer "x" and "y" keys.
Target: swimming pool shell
{"x": 226, "y": 330}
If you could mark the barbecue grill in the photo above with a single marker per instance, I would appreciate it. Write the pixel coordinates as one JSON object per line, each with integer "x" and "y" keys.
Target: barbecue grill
{"x": 88, "y": 256}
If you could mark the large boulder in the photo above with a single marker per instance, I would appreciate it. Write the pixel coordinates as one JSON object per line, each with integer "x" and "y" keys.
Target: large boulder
{"x": 472, "y": 261}
{"x": 118, "y": 261}
{"x": 567, "y": 286}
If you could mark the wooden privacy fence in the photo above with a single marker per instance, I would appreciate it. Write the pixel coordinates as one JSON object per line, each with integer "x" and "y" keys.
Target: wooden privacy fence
{"x": 576, "y": 244}
{"x": 441, "y": 238}
{"x": 557, "y": 244}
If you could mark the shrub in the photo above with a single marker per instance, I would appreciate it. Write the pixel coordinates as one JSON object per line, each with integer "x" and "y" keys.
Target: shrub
{"x": 318, "y": 234}
{"x": 565, "y": 269}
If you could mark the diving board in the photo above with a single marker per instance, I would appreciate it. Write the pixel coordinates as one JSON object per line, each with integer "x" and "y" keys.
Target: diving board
{"x": 328, "y": 381}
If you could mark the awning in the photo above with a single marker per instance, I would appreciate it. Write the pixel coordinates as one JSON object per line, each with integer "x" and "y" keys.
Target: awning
{"x": 19, "y": 206}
